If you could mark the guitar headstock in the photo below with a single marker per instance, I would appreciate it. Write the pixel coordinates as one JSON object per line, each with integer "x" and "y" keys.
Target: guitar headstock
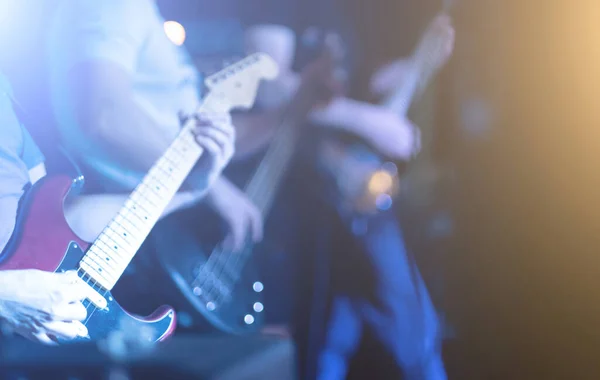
{"x": 236, "y": 85}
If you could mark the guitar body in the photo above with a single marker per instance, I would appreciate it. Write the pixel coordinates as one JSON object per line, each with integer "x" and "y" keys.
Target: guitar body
{"x": 207, "y": 294}
{"x": 43, "y": 240}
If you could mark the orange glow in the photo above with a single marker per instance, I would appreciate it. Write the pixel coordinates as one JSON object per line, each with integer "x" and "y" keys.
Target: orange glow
{"x": 381, "y": 182}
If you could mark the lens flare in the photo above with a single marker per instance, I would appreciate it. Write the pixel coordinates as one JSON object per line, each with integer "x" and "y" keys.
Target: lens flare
{"x": 381, "y": 182}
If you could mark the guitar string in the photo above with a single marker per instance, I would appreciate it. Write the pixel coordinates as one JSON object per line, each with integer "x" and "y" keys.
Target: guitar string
{"x": 231, "y": 262}
{"x": 219, "y": 259}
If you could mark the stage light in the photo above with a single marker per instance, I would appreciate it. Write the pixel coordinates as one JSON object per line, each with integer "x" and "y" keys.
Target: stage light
{"x": 381, "y": 182}
{"x": 384, "y": 202}
{"x": 175, "y": 32}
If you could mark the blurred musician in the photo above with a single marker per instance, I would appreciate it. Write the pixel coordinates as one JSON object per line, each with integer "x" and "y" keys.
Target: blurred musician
{"x": 396, "y": 306}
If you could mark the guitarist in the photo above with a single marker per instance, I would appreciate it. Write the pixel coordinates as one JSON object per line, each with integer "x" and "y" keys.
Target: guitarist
{"x": 127, "y": 87}
{"x": 44, "y": 306}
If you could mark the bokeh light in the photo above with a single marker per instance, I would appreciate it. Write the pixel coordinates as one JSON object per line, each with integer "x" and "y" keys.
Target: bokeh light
{"x": 175, "y": 32}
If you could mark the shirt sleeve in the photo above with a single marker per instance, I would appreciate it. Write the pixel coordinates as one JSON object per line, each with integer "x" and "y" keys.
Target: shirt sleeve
{"x": 112, "y": 30}
{"x": 13, "y": 170}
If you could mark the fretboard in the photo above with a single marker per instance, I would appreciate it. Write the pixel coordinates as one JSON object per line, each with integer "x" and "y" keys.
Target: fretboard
{"x": 423, "y": 65}
{"x": 266, "y": 181}
{"x": 115, "y": 247}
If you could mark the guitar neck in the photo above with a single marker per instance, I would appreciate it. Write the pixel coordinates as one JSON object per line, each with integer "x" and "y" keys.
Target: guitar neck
{"x": 264, "y": 184}
{"x": 266, "y": 181}
{"x": 424, "y": 63}
{"x": 118, "y": 243}
{"x": 401, "y": 99}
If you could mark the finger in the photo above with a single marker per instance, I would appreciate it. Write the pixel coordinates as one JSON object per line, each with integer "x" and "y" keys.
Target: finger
{"x": 228, "y": 150}
{"x": 218, "y": 136}
{"x": 41, "y": 337}
{"x": 221, "y": 128}
{"x": 210, "y": 146}
{"x": 65, "y": 288}
{"x": 68, "y": 278}
{"x": 238, "y": 234}
{"x": 212, "y": 118}
{"x": 74, "y": 311}
{"x": 235, "y": 240}
{"x": 65, "y": 330}
{"x": 72, "y": 292}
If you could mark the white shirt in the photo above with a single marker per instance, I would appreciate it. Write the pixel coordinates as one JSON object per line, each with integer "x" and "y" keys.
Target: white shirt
{"x": 18, "y": 154}
{"x": 129, "y": 33}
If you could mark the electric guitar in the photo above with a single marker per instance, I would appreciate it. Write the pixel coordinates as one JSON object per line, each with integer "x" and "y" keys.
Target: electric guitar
{"x": 364, "y": 181}
{"x": 43, "y": 239}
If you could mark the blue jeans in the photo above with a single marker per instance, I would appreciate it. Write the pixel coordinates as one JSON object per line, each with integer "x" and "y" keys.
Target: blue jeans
{"x": 398, "y": 311}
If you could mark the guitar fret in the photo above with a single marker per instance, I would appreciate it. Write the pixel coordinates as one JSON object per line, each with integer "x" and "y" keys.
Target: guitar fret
{"x": 97, "y": 268}
{"x": 121, "y": 220}
{"x": 104, "y": 254}
{"x": 108, "y": 249}
{"x": 166, "y": 173}
{"x": 132, "y": 207}
{"x": 110, "y": 244}
{"x": 117, "y": 248}
{"x": 142, "y": 222}
{"x": 107, "y": 270}
{"x": 146, "y": 198}
{"x": 127, "y": 230}
{"x": 108, "y": 252}
{"x": 111, "y": 263}
{"x": 175, "y": 160}
{"x": 156, "y": 178}
{"x": 115, "y": 235}
{"x": 153, "y": 188}
{"x": 173, "y": 164}
{"x": 94, "y": 275}
{"x": 105, "y": 249}
{"x": 96, "y": 259}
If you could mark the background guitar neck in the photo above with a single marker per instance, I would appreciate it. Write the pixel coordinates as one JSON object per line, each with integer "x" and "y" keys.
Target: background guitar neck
{"x": 422, "y": 66}
{"x": 266, "y": 181}
{"x": 401, "y": 99}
